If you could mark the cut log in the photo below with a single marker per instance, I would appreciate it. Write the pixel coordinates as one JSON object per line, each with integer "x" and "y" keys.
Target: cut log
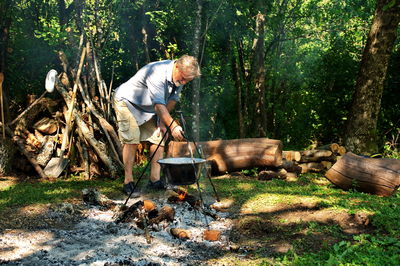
{"x": 232, "y": 155}
{"x": 375, "y": 176}
{"x": 317, "y": 156}
{"x": 333, "y": 147}
{"x": 342, "y": 150}
{"x": 291, "y": 155}
{"x": 46, "y": 151}
{"x": 313, "y": 167}
{"x": 180, "y": 233}
{"x": 46, "y": 125}
{"x": 166, "y": 213}
{"x": 269, "y": 174}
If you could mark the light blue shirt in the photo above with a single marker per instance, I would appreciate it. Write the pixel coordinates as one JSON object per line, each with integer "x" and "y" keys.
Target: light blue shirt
{"x": 151, "y": 85}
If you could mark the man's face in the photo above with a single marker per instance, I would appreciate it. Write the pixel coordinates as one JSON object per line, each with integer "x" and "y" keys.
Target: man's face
{"x": 179, "y": 77}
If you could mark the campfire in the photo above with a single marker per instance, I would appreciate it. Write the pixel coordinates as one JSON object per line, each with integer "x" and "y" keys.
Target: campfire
{"x": 182, "y": 215}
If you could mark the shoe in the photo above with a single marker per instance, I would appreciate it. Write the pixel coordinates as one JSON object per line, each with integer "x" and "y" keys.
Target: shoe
{"x": 158, "y": 185}
{"x": 128, "y": 190}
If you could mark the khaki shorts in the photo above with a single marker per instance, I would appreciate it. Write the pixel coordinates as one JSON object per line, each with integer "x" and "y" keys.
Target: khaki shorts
{"x": 128, "y": 130}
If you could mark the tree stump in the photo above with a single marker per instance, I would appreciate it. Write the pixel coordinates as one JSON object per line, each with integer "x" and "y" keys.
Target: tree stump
{"x": 375, "y": 176}
{"x": 231, "y": 155}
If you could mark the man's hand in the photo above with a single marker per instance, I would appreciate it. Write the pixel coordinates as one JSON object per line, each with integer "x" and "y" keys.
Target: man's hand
{"x": 177, "y": 133}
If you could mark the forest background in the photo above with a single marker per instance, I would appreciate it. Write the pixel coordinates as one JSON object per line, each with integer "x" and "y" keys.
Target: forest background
{"x": 284, "y": 69}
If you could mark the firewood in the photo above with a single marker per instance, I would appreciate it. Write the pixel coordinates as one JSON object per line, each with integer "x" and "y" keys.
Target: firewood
{"x": 212, "y": 235}
{"x": 269, "y": 174}
{"x": 165, "y": 213}
{"x": 93, "y": 196}
{"x": 98, "y": 147}
{"x": 313, "y": 167}
{"x": 180, "y": 233}
{"x": 46, "y": 125}
{"x": 326, "y": 164}
{"x": 291, "y": 177}
{"x": 149, "y": 205}
{"x": 20, "y": 143}
{"x": 342, "y": 150}
{"x": 291, "y": 166}
{"x": 371, "y": 175}
{"x": 291, "y": 155}
{"x": 317, "y": 156}
{"x": 333, "y": 147}
{"x": 46, "y": 151}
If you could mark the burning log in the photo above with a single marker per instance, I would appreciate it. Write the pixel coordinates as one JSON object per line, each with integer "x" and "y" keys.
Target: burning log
{"x": 212, "y": 235}
{"x": 230, "y": 155}
{"x": 372, "y": 175}
{"x": 166, "y": 213}
{"x": 180, "y": 233}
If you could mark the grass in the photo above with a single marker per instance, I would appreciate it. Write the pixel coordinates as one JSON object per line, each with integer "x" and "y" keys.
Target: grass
{"x": 254, "y": 201}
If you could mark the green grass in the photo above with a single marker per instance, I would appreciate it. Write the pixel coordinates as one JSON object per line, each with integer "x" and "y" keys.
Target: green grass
{"x": 380, "y": 248}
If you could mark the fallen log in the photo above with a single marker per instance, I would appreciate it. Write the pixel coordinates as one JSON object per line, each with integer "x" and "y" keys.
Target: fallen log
{"x": 291, "y": 166}
{"x": 371, "y": 175}
{"x": 314, "y": 167}
{"x": 269, "y": 174}
{"x": 231, "y": 155}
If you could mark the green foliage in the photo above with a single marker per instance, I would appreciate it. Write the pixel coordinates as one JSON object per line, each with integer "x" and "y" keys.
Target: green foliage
{"x": 312, "y": 54}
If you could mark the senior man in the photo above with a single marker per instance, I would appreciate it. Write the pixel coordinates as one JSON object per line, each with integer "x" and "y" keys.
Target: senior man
{"x": 143, "y": 105}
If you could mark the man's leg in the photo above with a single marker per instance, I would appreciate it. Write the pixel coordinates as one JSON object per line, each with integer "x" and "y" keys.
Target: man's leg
{"x": 155, "y": 166}
{"x": 128, "y": 155}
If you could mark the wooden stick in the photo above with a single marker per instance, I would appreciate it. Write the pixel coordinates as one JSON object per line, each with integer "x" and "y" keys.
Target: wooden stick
{"x": 27, "y": 109}
{"x": 72, "y": 102}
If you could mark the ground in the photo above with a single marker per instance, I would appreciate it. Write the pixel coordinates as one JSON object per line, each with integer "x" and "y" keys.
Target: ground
{"x": 260, "y": 230}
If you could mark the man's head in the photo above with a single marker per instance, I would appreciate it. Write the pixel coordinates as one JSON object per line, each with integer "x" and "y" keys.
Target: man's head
{"x": 185, "y": 69}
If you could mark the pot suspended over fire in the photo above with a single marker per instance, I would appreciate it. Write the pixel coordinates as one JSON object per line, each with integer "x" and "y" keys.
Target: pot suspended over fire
{"x": 181, "y": 170}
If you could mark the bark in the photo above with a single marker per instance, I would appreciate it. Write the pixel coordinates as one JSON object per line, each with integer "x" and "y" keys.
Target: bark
{"x": 196, "y": 82}
{"x": 376, "y": 176}
{"x": 258, "y": 70}
{"x": 361, "y": 135}
{"x": 231, "y": 155}
{"x": 238, "y": 85}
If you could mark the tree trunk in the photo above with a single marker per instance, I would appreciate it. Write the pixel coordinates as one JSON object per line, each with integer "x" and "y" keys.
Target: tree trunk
{"x": 238, "y": 85}
{"x": 196, "y": 82}
{"x": 258, "y": 71}
{"x": 361, "y": 135}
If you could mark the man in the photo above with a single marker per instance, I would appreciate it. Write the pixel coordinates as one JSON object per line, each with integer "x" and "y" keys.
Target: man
{"x": 143, "y": 105}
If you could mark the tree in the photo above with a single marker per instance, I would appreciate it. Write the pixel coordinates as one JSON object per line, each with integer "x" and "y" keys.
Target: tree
{"x": 361, "y": 135}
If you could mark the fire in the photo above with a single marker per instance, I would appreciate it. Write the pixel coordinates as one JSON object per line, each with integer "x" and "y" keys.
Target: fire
{"x": 182, "y": 195}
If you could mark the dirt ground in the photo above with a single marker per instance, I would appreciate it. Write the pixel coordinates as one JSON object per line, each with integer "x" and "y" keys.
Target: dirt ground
{"x": 274, "y": 230}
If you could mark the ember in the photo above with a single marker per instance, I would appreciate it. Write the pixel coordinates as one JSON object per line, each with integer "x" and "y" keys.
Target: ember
{"x": 182, "y": 195}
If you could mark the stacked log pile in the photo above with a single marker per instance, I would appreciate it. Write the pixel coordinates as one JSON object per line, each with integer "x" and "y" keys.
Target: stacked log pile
{"x": 311, "y": 161}
{"x": 77, "y": 125}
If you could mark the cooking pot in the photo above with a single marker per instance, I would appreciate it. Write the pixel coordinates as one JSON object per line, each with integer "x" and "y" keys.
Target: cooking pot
{"x": 181, "y": 170}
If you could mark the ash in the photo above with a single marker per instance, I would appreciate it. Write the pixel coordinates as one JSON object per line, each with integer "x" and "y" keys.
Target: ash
{"x": 97, "y": 240}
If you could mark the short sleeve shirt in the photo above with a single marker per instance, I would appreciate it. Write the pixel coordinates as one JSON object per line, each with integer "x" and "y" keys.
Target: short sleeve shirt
{"x": 151, "y": 85}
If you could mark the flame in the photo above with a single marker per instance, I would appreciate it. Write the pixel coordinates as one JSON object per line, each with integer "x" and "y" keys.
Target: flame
{"x": 182, "y": 195}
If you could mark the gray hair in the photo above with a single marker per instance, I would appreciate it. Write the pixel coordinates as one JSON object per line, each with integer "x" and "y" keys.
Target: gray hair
{"x": 189, "y": 65}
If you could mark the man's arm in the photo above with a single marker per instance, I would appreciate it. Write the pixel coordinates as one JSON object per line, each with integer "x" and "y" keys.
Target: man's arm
{"x": 162, "y": 112}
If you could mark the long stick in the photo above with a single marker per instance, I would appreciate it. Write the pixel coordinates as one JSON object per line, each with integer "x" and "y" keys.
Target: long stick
{"x": 72, "y": 103}
{"x": 2, "y": 107}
